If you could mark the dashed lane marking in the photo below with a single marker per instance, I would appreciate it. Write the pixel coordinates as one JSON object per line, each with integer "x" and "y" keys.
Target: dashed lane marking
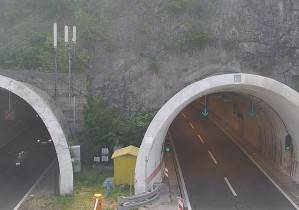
{"x": 202, "y": 141}
{"x": 230, "y": 187}
{"x": 211, "y": 155}
{"x": 191, "y": 125}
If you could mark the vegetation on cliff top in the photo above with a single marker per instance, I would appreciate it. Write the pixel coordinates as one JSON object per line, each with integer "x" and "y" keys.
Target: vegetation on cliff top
{"x": 26, "y": 35}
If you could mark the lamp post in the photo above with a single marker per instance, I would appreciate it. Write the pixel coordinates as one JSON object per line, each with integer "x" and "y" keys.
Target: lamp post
{"x": 55, "y": 57}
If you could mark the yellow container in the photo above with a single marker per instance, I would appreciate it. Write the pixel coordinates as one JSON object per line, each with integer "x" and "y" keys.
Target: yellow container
{"x": 100, "y": 200}
{"x": 124, "y": 165}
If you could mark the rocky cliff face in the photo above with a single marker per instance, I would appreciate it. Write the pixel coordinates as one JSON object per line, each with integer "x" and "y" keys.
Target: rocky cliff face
{"x": 145, "y": 65}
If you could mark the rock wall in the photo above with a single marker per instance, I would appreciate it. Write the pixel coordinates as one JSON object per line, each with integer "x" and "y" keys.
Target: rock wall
{"x": 258, "y": 37}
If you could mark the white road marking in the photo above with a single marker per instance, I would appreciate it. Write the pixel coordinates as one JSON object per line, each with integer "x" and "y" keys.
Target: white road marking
{"x": 255, "y": 162}
{"x": 39, "y": 179}
{"x": 184, "y": 116}
{"x": 191, "y": 125}
{"x": 230, "y": 187}
{"x": 200, "y": 138}
{"x": 181, "y": 175}
{"x": 215, "y": 161}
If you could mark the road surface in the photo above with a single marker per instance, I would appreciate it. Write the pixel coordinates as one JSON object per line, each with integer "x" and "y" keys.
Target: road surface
{"x": 217, "y": 174}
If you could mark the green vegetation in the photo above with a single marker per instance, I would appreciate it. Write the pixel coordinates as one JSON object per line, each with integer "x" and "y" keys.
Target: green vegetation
{"x": 193, "y": 33}
{"x": 104, "y": 127}
{"x": 26, "y": 31}
{"x": 154, "y": 65}
{"x": 26, "y": 36}
{"x": 142, "y": 27}
{"x": 195, "y": 36}
{"x": 176, "y": 6}
{"x": 86, "y": 184}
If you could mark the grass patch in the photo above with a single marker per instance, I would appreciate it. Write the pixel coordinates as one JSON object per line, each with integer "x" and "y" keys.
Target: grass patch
{"x": 86, "y": 184}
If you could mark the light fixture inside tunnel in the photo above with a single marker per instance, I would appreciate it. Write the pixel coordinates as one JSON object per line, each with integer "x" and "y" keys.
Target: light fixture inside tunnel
{"x": 288, "y": 142}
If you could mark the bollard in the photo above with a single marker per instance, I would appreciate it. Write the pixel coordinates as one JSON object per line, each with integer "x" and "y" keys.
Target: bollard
{"x": 108, "y": 184}
{"x": 97, "y": 198}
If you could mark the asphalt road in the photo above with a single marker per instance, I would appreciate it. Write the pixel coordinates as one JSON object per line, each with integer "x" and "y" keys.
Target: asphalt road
{"x": 15, "y": 183}
{"x": 217, "y": 174}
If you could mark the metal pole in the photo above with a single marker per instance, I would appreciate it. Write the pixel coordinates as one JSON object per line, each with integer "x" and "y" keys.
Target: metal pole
{"x": 8, "y": 100}
{"x": 55, "y": 56}
{"x": 69, "y": 55}
{"x": 145, "y": 175}
{"x": 74, "y": 118}
{"x": 130, "y": 181}
{"x": 56, "y": 77}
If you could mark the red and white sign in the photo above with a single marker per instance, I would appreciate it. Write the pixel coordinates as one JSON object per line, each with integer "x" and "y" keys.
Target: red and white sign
{"x": 181, "y": 204}
{"x": 9, "y": 114}
{"x": 166, "y": 172}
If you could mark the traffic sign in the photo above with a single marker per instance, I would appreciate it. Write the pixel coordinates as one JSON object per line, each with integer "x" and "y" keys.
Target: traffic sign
{"x": 251, "y": 112}
{"x": 166, "y": 172}
{"x": 181, "y": 204}
{"x": 9, "y": 114}
{"x": 205, "y": 111}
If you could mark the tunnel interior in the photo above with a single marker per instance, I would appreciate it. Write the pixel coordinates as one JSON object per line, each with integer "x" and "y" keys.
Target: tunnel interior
{"x": 22, "y": 130}
{"x": 274, "y": 116}
{"x": 254, "y": 123}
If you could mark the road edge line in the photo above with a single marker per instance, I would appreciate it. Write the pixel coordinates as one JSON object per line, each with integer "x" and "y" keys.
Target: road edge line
{"x": 30, "y": 190}
{"x": 259, "y": 167}
{"x": 181, "y": 174}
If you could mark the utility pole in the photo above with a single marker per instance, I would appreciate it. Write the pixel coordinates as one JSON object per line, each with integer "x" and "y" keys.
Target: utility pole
{"x": 70, "y": 48}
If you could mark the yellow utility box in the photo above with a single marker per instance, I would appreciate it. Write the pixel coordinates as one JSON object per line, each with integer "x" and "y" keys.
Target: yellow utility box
{"x": 124, "y": 165}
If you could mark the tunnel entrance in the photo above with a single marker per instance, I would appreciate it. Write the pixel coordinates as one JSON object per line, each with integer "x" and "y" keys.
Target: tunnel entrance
{"x": 258, "y": 108}
{"x": 26, "y": 148}
{"x": 32, "y": 122}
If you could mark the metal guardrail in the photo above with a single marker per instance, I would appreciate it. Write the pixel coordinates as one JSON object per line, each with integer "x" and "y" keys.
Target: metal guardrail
{"x": 140, "y": 200}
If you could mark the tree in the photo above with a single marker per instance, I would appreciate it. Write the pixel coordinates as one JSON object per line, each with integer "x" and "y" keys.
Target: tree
{"x": 105, "y": 128}
{"x": 102, "y": 126}
{"x": 136, "y": 126}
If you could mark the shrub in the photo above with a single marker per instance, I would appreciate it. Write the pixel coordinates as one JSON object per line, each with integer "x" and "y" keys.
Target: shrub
{"x": 154, "y": 65}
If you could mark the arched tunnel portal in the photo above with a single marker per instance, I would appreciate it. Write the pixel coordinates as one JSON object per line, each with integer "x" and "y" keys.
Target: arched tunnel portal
{"x": 53, "y": 120}
{"x": 278, "y": 116}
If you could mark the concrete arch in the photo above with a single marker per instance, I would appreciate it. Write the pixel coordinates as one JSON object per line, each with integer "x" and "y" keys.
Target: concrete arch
{"x": 54, "y": 121}
{"x": 282, "y": 99}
